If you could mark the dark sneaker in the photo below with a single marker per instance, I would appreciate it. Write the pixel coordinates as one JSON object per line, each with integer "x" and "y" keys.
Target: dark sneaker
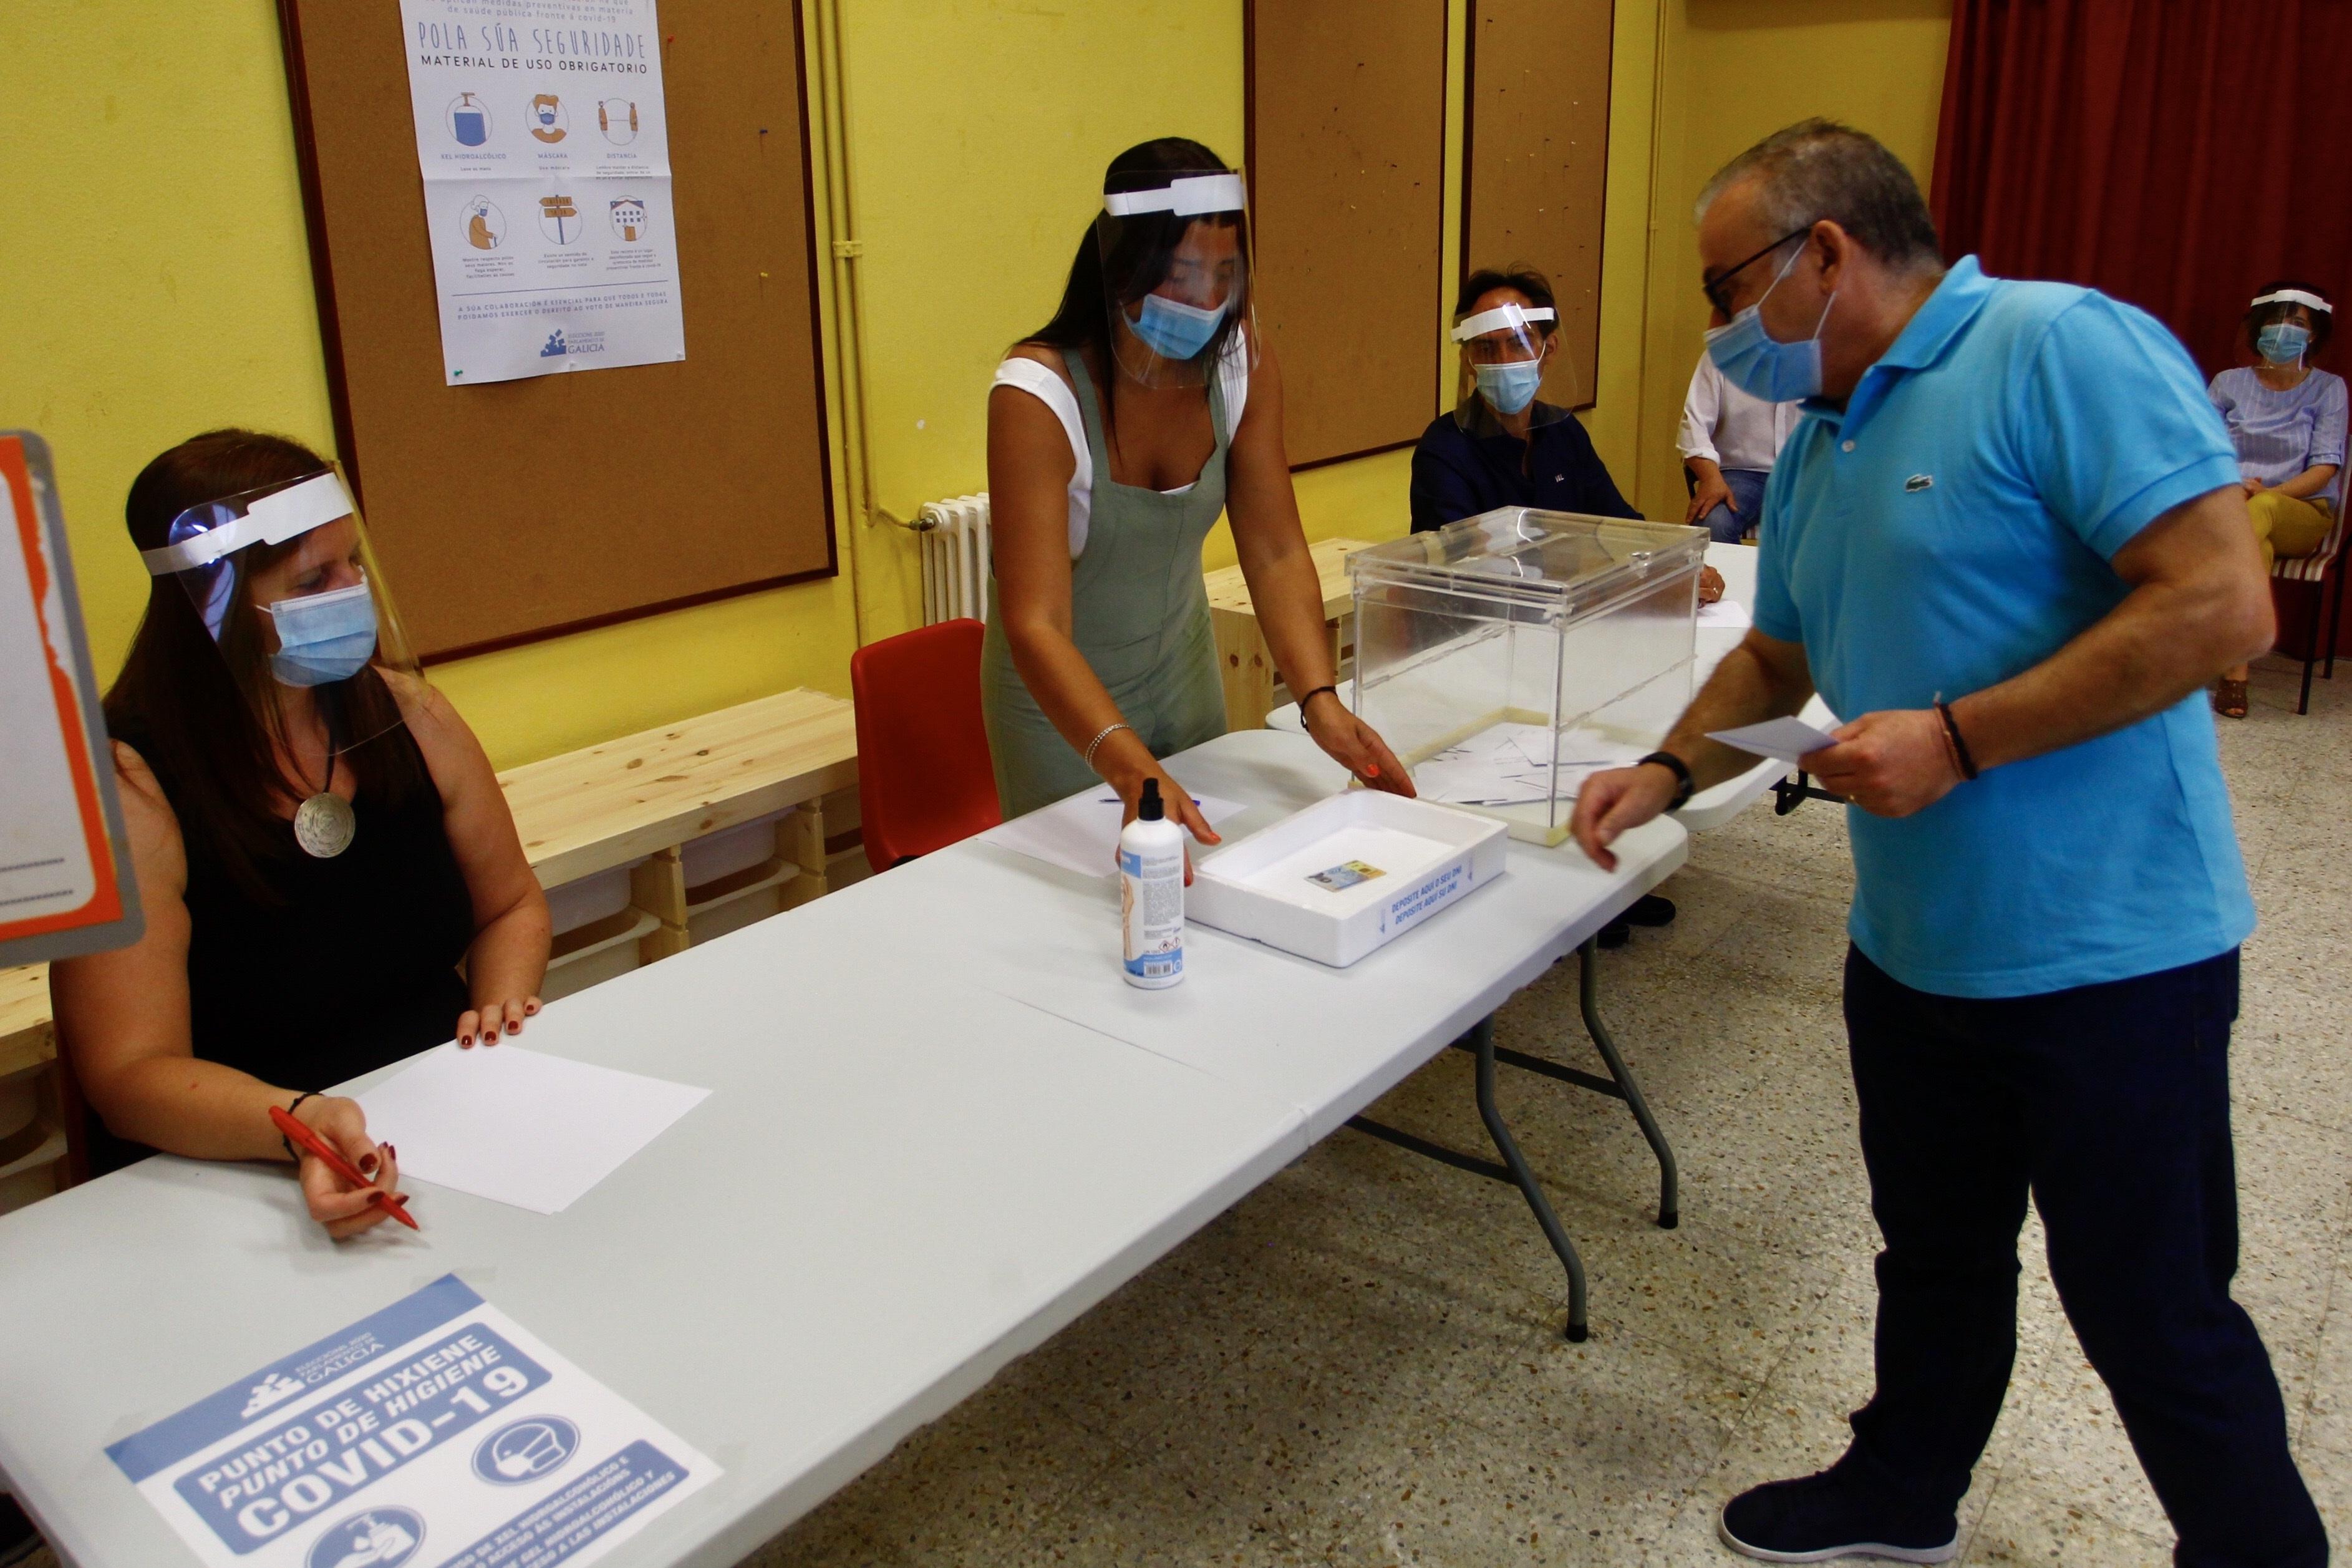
{"x": 1829, "y": 1516}
{"x": 1650, "y": 910}
{"x": 1615, "y": 934}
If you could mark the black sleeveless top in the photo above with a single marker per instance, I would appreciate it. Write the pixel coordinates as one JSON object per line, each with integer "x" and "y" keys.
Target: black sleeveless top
{"x": 355, "y": 964}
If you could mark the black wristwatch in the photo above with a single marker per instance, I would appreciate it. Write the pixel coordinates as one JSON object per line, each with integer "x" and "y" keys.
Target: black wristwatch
{"x": 1684, "y": 786}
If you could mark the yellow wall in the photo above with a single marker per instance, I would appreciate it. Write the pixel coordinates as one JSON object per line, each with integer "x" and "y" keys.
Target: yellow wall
{"x": 154, "y": 161}
{"x": 1732, "y": 72}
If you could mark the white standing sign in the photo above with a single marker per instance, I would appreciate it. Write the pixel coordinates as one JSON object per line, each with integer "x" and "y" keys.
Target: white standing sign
{"x": 545, "y": 151}
{"x": 436, "y": 1434}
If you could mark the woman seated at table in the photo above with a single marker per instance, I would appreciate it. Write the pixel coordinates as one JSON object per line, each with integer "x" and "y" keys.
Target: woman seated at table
{"x": 318, "y": 837}
{"x": 1116, "y": 434}
{"x": 1503, "y": 446}
{"x": 2287, "y": 422}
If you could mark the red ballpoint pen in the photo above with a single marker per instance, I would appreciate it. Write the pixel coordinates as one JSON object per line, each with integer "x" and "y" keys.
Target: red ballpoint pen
{"x": 294, "y": 1130}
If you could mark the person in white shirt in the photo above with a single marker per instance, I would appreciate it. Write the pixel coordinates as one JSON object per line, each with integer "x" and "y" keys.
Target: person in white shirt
{"x": 1728, "y": 440}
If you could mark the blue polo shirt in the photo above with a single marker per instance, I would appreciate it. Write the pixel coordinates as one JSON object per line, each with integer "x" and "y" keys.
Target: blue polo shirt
{"x": 1952, "y": 526}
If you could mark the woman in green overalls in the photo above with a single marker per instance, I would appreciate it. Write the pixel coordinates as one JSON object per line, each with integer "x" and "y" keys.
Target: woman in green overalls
{"x": 1117, "y": 435}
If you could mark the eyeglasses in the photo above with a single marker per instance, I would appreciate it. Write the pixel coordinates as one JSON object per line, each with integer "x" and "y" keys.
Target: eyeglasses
{"x": 1715, "y": 288}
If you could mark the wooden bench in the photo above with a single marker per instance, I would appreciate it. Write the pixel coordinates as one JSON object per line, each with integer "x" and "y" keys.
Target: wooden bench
{"x": 634, "y": 802}
{"x": 1243, "y": 660}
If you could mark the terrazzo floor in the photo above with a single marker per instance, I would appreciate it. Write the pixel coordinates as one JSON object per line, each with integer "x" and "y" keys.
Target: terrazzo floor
{"x": 1362, "y": 1363}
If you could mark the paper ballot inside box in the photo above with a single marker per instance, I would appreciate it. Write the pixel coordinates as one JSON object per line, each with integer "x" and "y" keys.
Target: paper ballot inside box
{"x": 1346, "y": 875}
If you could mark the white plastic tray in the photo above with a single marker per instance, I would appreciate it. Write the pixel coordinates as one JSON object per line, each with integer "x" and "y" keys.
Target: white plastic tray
{"x": 1263, "y": 887}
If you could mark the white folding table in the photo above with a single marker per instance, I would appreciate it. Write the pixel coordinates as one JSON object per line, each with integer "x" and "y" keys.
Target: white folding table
{"x": 941, "y": 1128}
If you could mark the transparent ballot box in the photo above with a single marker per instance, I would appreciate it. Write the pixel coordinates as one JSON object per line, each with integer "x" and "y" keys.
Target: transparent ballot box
{"x": 1508, "y": 656}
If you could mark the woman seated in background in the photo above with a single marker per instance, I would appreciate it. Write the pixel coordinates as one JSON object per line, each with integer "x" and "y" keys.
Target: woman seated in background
{"x": 2287, "y": 422}
{"x": 1503, "y": 446}
{"x": 318, "y": 837}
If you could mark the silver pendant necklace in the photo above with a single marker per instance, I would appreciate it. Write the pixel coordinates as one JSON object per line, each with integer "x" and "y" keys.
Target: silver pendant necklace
{"x": 325, "y": 823}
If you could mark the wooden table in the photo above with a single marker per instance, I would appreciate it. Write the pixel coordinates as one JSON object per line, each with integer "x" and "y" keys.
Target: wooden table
{"x": 1243, "y": 660}
{"x": 645, "y": 797}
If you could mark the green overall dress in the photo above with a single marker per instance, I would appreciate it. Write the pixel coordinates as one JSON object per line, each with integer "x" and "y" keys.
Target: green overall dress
{"x": 1139, "y": 614}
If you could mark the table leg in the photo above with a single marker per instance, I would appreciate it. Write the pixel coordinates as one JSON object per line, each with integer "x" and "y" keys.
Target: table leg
{"x": 1483, "y": 1041}
{"x": 1588, "y": 1000}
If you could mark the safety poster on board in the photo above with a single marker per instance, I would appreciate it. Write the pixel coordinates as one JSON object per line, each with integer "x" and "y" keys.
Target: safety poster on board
{"x": 436, "y": 1434}
{"x": 545, "y": 151}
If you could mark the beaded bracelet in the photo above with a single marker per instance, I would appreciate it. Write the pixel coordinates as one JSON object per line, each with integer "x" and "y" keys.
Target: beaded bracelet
{"x": 1105, "y": 733}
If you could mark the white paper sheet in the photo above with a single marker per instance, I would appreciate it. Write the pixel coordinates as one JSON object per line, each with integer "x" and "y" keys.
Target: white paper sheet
{"x": 520, "y": 1126}
{"x": 1506, "y": 764}
{"x": 1724, "y": 614}
{"x": 1081, "y": 833}
{"x": 1782, "y": 740}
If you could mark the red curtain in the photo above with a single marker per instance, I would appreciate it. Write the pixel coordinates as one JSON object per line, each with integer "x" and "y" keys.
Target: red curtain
{"x": 2175, "y": 153}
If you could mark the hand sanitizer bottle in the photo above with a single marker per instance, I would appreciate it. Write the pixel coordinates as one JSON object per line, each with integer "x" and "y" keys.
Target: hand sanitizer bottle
{"x": 1151, "y": 894}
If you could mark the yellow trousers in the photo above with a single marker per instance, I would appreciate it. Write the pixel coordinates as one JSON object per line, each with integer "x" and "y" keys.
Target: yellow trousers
{"x": 2287, "y": 526}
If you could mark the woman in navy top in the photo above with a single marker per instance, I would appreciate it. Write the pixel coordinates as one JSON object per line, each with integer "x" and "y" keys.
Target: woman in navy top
{"x": 1504, "y": 446}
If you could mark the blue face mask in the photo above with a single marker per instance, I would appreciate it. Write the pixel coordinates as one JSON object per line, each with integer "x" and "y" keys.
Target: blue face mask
{"x": 1759, "y": 363}
{"x": 1173, "y": 330}
{"x": 2283, "y": 343}
{"x": 1510, "y": 387}
{"x": 324, "y": 638}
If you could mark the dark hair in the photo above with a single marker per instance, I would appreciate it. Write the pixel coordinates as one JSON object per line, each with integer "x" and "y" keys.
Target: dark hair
{"x": 1139, "y": 261}
{"x": 205, "y": 715}
{"x": 1519, "y": 276}
{"x": 1820, "y": 169}
{"x": 2322, "y": 322}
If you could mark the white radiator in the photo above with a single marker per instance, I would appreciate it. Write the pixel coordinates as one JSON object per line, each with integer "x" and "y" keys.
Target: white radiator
{"x": 955, "y": 558}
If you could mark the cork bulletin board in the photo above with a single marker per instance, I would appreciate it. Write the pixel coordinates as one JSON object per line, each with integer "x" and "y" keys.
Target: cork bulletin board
{"x": 516, "y": 511}
{"x": 1346, "y": 151}
{"x": 1536, "y": 163}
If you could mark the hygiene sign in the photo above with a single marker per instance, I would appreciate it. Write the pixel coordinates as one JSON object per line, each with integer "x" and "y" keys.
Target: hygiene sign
{"x": 545, "y": 151}
{"x": 436, "y": 1434}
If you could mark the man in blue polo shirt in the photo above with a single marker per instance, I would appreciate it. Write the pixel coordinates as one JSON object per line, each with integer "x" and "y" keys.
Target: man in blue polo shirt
{"x": 2006, "y": 540}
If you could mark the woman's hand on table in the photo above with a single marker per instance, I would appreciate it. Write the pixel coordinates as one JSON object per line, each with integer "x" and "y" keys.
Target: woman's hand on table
{"x": 343, "y": 1209}
{"x": 1353, "y": 744}
{"x": 1127, "y": 774}
{"x": 1711, "y": 585}
{"x": 492, "y": 1019}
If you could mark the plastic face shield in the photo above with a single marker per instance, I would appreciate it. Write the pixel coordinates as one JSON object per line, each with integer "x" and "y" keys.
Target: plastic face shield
{"x": 2298, "y": 307}
{"x": 1504, "y": 359}
{"x": 285, "y": 584}
{"x": 1176, "y": 276}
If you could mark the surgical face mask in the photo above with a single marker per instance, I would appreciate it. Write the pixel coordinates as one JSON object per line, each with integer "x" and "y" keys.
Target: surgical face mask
{"x": 1173, "y": 330}
{"x": 2283, "y": 343}
{"x": 325, "y": 637}
{"x": 1761, "y": 365}
{"x": 1510, "y": 387}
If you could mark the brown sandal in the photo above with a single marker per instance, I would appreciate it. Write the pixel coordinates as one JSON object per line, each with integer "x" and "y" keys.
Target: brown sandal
{"x": 2229, "y": 699}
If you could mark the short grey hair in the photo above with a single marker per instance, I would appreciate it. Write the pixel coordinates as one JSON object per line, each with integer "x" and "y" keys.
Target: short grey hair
{"x": 1820, "y": 169}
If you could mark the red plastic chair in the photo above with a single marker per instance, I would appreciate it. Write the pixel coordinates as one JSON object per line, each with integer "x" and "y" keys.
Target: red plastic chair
{"x": 924, "y": 777}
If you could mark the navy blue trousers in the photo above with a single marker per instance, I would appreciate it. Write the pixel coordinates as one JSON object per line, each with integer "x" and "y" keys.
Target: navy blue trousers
{"x": 2109, "y": 1105}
